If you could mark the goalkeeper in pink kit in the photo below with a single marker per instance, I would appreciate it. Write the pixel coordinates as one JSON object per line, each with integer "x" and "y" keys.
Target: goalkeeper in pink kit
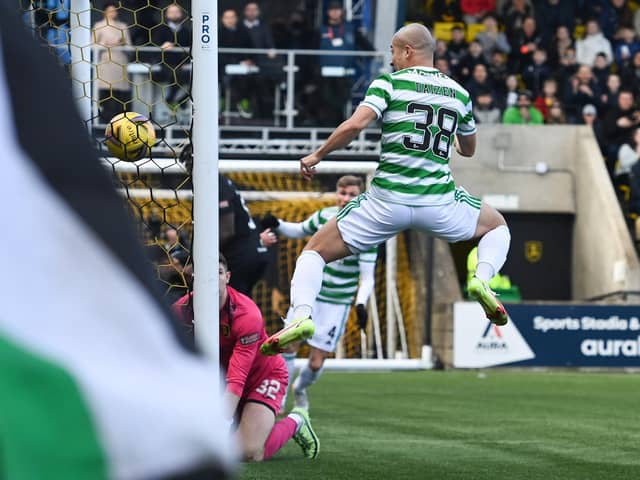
{"x": 255, "y": 384}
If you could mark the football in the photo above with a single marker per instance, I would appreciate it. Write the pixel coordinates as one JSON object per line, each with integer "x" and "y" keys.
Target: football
{"x": 129, "y": 136}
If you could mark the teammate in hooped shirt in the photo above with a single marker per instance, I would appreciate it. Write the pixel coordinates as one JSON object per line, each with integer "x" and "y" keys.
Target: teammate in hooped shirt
{"x": 255, "y": 384}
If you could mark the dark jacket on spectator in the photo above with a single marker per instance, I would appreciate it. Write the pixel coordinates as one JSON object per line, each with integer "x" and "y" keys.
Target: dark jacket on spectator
{"x": 549, "y": 16}
{"x": 612, "y": 132}
{"x": 260, "y": 35}
{"x": 534, "y": 75}
{"x": 181, "y": 37}
{"x": 237, "y": 38}
{"x": 576, "y": 98}
{"x": 521, "y": 55}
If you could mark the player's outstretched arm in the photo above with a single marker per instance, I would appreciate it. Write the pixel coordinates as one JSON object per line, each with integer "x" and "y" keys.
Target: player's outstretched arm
{"x": 340, "y": 138}
{"x": 288, "y": 229}
{"x": 466, "y": 144}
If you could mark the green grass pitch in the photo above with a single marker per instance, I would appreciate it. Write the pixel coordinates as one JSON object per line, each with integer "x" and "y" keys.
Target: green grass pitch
{"x": 499, "y": 424}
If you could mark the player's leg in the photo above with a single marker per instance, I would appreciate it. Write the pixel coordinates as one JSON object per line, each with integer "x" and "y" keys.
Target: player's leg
{"x": 309, "y": 374}
{"x": 330, "y": 320}
{"x": 290, "y": 352}
{"x": 326, "y": 245}
{"x": 256, "y": 424}
{"x": 492, "y": 253}
{"x": 261, "y": 437}
{"x": 258, "y": 433}
{"x": 494, "y": 242}
{"x": 363, "y": 223}
{"x": 466, "y": 218}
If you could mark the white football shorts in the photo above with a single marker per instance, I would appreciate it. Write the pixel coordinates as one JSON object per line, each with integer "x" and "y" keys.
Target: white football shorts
{"x": 367, "y": 221}
{"x": 330, "y": 320}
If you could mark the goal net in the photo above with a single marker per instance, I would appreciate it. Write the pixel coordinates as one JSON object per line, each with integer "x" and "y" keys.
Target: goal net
{"x": 124, "y": 63}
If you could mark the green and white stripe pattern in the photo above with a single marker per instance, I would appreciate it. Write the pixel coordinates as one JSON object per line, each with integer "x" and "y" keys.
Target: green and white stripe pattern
{"x": 93, "y": 382}
{"x": 461, "y": 195}
{"x": 421, "y": 110}
{"x": 340, "y": 278}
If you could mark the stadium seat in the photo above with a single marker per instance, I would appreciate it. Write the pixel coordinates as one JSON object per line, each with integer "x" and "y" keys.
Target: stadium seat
{"x": 473, "y": 29}
{"x": 442, "y": 30}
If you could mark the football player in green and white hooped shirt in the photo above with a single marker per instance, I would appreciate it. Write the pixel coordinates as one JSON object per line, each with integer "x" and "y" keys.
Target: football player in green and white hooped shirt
{"x": 342, "y": 281}
{"x": 425, "y": 114}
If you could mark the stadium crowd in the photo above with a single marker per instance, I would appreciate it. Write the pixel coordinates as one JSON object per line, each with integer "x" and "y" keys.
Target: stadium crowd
{"x": 523, "y": 61}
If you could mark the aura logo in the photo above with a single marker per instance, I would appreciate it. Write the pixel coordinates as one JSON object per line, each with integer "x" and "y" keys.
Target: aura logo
{"x": 492, "y": 339}
{"x": 478, "y": 343}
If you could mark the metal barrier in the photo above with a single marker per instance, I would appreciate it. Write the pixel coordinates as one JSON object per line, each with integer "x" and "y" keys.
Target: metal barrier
{"x": 272, "y": 77}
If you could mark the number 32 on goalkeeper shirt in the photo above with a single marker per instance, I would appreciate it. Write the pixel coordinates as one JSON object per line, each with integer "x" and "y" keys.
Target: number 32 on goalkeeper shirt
{"x": 269, "y": 389}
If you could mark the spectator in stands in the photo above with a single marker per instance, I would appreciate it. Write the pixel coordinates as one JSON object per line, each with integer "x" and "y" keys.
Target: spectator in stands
{"x": 582, "y": 89}
{"x": 457, "y": 48}
{"x": 170, "y": 257}
{"x": 513, "y": 13}
{"x": 590, "y": 117}
{"x": 173, "y": 36}
{"x": 467, "y": 63}
{"x": 535, "y": 74}
{"x": 484, "y": 109}
{"x": 442, "y": 49}
{"x": 446, "y": 11}
{"x": 508, "y": 94}
{"x": 442, "y": 64}
{"x": 609, "y": 95}
{"x": 560, "y": 43}
{"x": 593, "y": 43}
{"x": 479, "y": 81}
{"x": 295, "y": 33}
{"x": 523, "y": 112}
{"x": 612, "y": 14}
{"x": 114, "y": 91}
{"x": 556, "y": 115}
{"x": 629, "y": 154}
{"x": 492, "y": 38}
{"x": 550, "y": 14}
{"x": 626, "y": 46}
{"x": 298, "y": 34}
{"x": 141, "y": 18}
{"x": 567, "y": 68}
{"x": 526, "y": 41}
{"x": 630, "y": 75}
{"x": 176, "y": 245}
{"x": 270, "y": 66}
{"x": 636, "y": 21}
{"x": 601, "y": 69}
{"x": 547, "y": 97}
{"x": 337, "y": 71}
{"x": 618, "y": 125}
{"x": 233, "y": 34}
{"x": 474, "y": 10}
{"x": 240, "y": 241}
{"x": 260, "y": 33}
{"x": 498, "y": 70}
